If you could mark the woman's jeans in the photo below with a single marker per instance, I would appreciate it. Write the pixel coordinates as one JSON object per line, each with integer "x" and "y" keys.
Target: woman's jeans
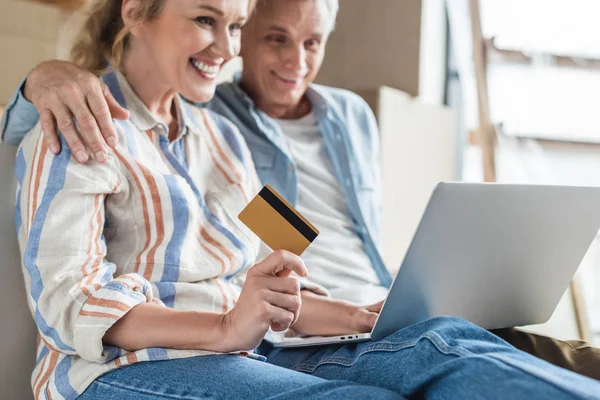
{"x": 443, "y": 358}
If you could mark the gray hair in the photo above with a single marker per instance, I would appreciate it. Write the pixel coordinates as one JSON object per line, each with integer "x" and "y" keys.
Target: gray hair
{"x": 333, "y": 6}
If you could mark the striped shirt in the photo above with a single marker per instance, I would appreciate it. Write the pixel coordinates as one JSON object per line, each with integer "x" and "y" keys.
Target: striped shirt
{"x": 156, "y": 223}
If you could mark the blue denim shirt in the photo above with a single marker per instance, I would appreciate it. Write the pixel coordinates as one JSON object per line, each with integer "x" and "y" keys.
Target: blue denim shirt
{"x": 349, "y": 131}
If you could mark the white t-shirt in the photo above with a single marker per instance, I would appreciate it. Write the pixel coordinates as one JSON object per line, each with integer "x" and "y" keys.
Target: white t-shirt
{"x": 337, "y": 258}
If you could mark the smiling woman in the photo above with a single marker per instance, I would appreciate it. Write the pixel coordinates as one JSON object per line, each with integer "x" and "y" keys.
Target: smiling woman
{"x": 140, "y": 277}
{"x": 149, "y": 244}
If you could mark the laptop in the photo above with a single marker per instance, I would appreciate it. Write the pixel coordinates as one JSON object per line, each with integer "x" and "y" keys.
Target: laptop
{"x": 498, "y": 255}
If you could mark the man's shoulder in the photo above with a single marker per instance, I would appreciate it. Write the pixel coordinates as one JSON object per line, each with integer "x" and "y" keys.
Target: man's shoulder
{"x": 225, "y": 87}
{"x": 342, "y": 100}
{"x": 225, "y": 95}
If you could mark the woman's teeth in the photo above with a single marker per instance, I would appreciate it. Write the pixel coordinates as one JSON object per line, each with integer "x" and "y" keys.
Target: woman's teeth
{"x": 210, "y": 70}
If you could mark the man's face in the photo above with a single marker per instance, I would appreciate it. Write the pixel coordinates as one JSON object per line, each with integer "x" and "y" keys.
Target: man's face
{"x": 283, "y": 47}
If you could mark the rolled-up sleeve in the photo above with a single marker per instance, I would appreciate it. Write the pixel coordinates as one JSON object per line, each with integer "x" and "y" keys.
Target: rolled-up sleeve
{"x": 19, "y": 118}
{"x": 74, "y": 292}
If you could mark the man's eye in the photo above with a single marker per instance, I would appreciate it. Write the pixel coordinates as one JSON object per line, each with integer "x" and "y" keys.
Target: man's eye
{"x": 276, "y": 39}
{"x": 312, "y": 44}
{"x": 208, "y": 21}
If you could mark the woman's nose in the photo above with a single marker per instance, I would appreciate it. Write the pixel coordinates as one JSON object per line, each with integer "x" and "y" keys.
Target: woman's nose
{"x": 227, "y": 45}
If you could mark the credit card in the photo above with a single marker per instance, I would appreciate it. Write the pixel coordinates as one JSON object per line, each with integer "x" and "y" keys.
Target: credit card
{"x": 277, "y": 223}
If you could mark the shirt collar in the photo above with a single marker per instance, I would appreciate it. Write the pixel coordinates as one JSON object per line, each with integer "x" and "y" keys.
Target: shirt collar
{"x": 140, "y": 116}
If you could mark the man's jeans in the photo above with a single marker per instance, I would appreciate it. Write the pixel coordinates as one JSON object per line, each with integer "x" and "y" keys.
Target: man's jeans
{"x": 443, "y": 358}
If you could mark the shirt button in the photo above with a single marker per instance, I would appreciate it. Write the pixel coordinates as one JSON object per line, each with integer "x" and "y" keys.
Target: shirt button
{"x": 348, "y": 181}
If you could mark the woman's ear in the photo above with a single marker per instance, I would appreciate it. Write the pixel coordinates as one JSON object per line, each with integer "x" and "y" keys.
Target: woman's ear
{"x": 130, "y": 14}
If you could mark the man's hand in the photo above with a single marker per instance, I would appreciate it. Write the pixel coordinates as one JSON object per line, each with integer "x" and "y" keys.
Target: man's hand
{"x": 61, "y": 92}
{"x": 270, "y": 298}
{"x": 324, "y": 316}
{"x": 363, "y": 319}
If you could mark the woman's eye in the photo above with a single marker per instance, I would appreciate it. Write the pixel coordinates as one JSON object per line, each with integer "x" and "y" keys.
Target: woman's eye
{"x": 235, "y": 28}
{"x": 208, "y": 21}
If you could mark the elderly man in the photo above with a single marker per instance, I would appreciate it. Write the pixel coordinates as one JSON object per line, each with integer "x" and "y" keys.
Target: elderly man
{"x": 317, "y": 146}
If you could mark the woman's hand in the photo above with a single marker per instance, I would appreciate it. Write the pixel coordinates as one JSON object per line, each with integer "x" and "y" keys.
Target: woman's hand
{"x": 269, "y": 299}
{"x": 62, "y": 92}
{"x": 324, "y": 316}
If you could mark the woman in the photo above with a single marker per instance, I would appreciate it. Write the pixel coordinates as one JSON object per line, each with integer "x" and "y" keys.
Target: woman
{"x": 129, "y": 260}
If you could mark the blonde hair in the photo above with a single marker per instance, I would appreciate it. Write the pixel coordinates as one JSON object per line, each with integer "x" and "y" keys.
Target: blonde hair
{"x": 103, "y": 38}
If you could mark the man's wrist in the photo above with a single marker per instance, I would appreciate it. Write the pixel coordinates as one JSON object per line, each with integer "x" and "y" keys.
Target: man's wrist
{"x": 26, "y": 90}
{"x": 322, "y": 315}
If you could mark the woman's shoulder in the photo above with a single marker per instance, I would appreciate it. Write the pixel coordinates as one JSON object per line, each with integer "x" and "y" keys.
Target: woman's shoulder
{"x": 224, "y": 130}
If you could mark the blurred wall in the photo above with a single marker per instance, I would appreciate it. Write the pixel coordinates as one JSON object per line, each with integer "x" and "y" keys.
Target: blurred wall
{"x": 28, "y": 35}
{"x": 375, "y": 43}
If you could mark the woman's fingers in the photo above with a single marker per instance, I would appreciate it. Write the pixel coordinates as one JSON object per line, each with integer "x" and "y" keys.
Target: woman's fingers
{"x": 280, "y": 319}
{"x": 281, "y": 263}
{"x": 281, "y": 285}
{"x": 287, "y": 302}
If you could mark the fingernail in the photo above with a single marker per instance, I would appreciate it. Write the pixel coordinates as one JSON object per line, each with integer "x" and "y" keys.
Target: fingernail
{"x": 81, "y": 156}
{"x": 54, "y": 148}
{"x": 111, "y": 141}
{"x": 101, "y": 156}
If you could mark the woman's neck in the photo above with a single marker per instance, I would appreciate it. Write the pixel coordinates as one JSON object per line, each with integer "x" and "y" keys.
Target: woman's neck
{"x": 156, "y": 96}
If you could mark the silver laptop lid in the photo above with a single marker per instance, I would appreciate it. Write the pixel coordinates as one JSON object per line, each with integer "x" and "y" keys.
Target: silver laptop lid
{"x": 495, "y": 254}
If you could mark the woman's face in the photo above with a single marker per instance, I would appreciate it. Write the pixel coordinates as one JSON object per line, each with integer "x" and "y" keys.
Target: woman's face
{"x": 189, "y": 43}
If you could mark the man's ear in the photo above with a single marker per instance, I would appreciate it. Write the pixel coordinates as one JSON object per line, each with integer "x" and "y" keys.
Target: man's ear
{"x": 130, "y": 15}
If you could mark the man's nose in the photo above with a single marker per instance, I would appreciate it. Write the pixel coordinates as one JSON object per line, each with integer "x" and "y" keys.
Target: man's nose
{"x": 295, "y": 57}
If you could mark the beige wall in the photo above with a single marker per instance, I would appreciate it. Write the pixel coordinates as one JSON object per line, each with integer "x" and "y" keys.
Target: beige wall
{"x": 419, "y": 149}
{"x": 28, "y": 35}
{"x": 371, "y": 46}
{"x": 375, "y": 43}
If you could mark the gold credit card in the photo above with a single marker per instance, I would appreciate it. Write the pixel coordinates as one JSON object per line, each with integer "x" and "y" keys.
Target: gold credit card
{"x": 277, "y": 223}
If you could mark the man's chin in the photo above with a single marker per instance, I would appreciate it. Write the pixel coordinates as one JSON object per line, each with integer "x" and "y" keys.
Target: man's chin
{"x": 288, "y": 99}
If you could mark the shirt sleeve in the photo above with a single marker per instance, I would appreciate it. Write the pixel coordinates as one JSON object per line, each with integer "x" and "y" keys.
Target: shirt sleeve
{"x": 372, "y": 130}
{"x": 19, "y": 117}
{"x": 73, "y": 290}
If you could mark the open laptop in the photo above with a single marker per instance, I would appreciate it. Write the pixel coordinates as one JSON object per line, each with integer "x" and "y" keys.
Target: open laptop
{"x": 497, "y": 255}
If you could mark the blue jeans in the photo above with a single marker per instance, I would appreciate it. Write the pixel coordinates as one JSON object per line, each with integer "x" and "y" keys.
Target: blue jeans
{"x": 443, "y": 358}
